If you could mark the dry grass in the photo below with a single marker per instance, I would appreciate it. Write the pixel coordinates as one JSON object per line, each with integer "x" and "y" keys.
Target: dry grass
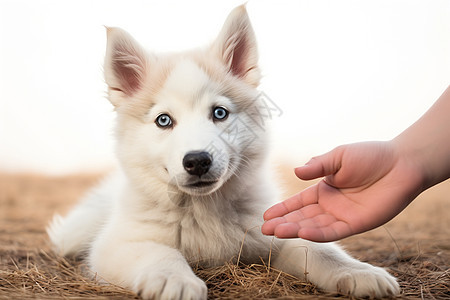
{"x": 415, "y": 247}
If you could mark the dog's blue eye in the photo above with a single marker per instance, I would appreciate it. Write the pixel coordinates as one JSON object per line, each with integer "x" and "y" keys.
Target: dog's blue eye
{"x": 163, "y": 120}
{"x": 220, "y": 113}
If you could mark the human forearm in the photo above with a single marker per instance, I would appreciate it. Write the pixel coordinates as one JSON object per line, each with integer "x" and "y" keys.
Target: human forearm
{"x": 426, "y": 143}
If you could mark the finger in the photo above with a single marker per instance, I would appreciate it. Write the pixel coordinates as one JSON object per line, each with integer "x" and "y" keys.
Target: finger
{"x": 295, "y": 217}
{"x": 320, "y": 166}
{"x": 307, "y": 212}
{"x": 268, "y": 227}
{"x": 321, "y": 228}
{"x": 333, "y": 232}
{"x": 298, "y": 201}
{"x": 275, "y": 211}
{"x": 287, "y": 230}
{"x": 316, "y": 218}
{"x": 290, "y": 228}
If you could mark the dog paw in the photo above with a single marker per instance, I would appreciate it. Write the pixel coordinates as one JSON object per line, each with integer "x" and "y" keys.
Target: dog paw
{"x": 170, "y": 285}
{"x": 366, "y": 281}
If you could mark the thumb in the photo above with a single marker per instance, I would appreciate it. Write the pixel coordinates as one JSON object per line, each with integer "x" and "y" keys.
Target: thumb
{"x": 320, "y": 166}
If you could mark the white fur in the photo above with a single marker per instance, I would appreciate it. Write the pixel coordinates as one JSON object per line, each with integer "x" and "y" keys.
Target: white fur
{"x": 144, "y": 226}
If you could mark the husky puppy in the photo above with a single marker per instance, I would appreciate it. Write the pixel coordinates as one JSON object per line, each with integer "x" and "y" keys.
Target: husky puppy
{"x": 193, "y": 181}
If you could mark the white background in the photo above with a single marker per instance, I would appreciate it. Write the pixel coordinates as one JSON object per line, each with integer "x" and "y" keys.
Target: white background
{"x": 341, "y": 71}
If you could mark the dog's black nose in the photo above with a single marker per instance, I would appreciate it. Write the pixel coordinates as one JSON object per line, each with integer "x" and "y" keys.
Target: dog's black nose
{"x": 197, "y": 162}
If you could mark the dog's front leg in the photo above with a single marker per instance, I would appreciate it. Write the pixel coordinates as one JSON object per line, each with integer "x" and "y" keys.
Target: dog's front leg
{"x": 333, "y": 270}
{"x": 152, "y": 270}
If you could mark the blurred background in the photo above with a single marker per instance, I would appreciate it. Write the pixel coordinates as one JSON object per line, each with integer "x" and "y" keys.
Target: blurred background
{"x": 341, "y": 71}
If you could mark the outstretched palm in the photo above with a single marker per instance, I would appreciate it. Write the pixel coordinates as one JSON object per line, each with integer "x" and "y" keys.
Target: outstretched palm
{"x": 365, "y": 185}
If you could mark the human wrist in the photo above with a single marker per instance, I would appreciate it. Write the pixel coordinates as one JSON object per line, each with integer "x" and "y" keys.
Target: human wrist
{"x": 413, "y": 159}
{"x": 416, "y": 158}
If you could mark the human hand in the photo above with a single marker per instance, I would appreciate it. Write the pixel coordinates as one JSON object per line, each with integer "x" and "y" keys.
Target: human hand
{"x": 365, "y": 185}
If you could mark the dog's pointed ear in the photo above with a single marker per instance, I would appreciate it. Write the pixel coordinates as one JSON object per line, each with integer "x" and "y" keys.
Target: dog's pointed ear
{"x": 125, "y": 64}
{"x": 236, "y": 47}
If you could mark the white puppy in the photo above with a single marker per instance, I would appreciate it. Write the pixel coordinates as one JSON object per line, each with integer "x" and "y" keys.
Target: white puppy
{"x": 193, "y": 183}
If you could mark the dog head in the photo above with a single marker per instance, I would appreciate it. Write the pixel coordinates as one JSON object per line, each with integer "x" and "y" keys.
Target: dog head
{"x": 189, "y": 119}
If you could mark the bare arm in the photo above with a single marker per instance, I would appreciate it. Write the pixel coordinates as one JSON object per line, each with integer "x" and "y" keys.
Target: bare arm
{"x": 427, "y": 142}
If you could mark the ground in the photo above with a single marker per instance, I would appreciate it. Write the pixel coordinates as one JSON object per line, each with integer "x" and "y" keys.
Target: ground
{"x": 415, "y": 247}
